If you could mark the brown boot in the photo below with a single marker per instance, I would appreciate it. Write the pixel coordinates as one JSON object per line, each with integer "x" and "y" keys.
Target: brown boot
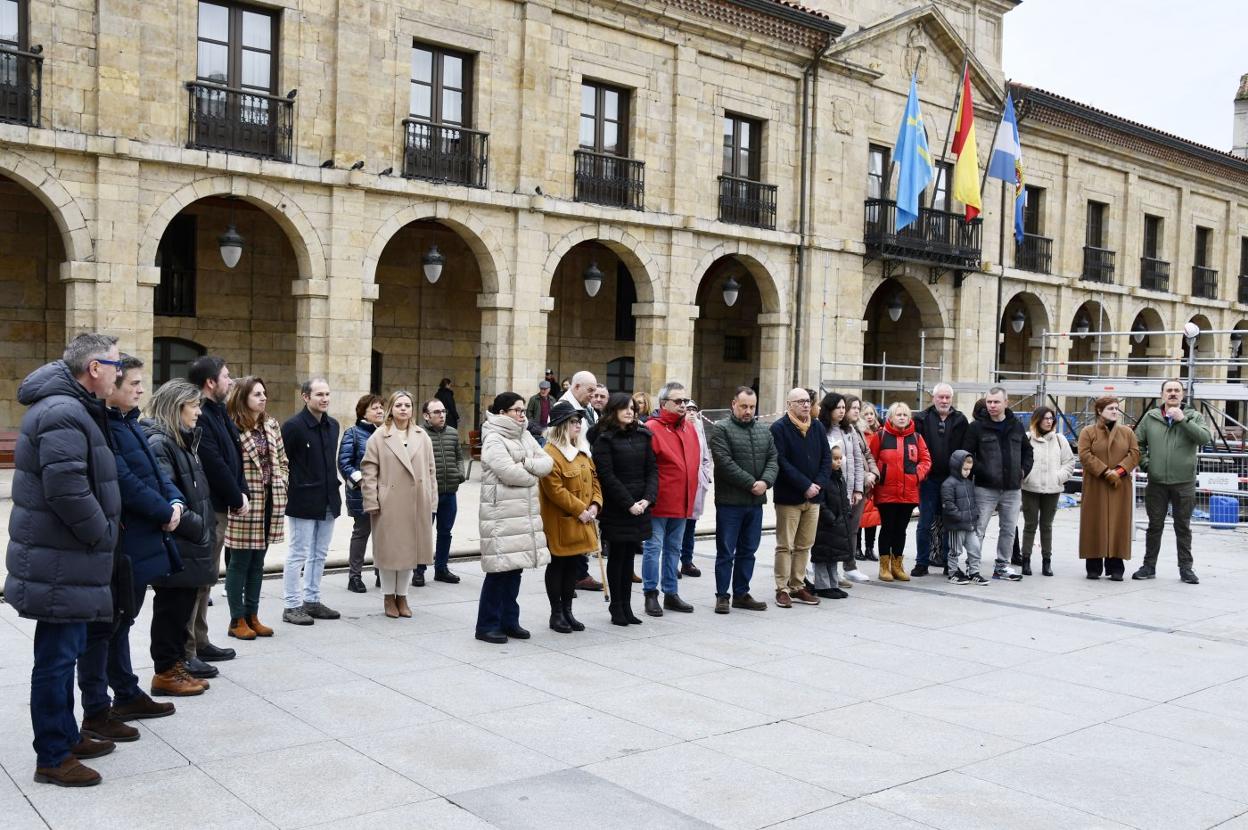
{"x": 886, "y": 568}
{"x": 69, "y": 773}
{"x": 239, "y": 630}
{"x": 390, "y": 603}
{"x": 176, "y": 683}
{"x": 203, "y": 681}
{"x": 139, "y": 708}
{"x": 262, "y": 630}
{"x": 105, "y": 728}
{"x": 899, "y": 569}
{"x": 400, "y": 603}
{"x": 91, "y": 748}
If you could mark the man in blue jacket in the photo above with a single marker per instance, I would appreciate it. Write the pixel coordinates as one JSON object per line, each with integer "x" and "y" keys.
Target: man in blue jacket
{"x": 62, "y": 530}
{"x": 805, "y": 469}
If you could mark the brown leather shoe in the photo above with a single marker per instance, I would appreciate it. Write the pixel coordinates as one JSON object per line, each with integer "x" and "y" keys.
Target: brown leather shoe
{"x": 91, "y": 748}
{"x": 636, "y": 579}
{"x": 141, "y": 707}
{"x": 390, "y": 604}
{"x": 783, "y": 600}
{"x": 748, "y": 603}
{"x": 239, "y": 630}
{"x": 103, "y": 727}
{"x": 70, "y": 773}
{"x": 400, "y": 603}
{"x": 203, "y": 681}
{"x": 176, "y": 683}
{"x": 262, "y": 630}
{"x": 805, "y": 597}
{"x": 588, "y": 584}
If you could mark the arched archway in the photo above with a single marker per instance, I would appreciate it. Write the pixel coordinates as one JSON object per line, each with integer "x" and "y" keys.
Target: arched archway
{"x": 727, "y": 339}
{"x": 61, "y": 207}
{"x": 1023, "y": 320}
{"x": 899, "y": 313}
{"x": 1205, "y": 351}
{"x": 1148, "y": 356}
{"x": 490, "y": 257}
{"x": 1089, "y": 349}
{"x": 1238, "y": 410}
{"x": 643, "y": 267}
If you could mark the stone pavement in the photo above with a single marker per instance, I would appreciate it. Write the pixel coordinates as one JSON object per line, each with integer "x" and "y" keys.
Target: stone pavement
{"x": 1050, "y": 703}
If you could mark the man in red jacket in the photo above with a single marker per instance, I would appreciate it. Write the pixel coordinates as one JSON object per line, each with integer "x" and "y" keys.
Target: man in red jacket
{"x": 678, "y": 453}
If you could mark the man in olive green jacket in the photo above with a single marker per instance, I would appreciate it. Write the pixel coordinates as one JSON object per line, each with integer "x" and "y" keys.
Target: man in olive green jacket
{"x": 746, "y": 466}
{"x": 448, "y": 461}
{"x": 1170, "y": 437}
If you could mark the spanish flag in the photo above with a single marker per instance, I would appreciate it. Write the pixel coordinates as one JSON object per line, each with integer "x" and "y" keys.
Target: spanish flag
{"x": 966, "y": 171}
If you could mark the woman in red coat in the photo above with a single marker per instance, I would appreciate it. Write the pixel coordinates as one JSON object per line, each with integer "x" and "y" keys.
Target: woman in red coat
{"x": 903, "y": 461}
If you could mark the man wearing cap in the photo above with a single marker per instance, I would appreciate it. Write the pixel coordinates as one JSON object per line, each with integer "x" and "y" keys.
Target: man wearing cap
{"x": 538, "y": 410}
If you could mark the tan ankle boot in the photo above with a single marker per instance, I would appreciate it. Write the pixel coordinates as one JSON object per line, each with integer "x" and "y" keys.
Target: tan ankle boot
{"x": 401, "y": 605}
{"x": 390, "y": 604}
{"x": 260, "y": 628}
{"x": 899, "y": 569}
{"x": 240, "y": 630}
{"x": 886, "y": 568}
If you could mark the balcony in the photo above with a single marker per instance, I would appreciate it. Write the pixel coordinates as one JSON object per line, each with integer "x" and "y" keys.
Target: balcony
{"x": 1098, "y": 264}
{"x": 1154, "y": 274}
{"x": 747, "y": 202}
{"x": 1204, "y": 282}
{"x": 445, "y": 153}
{"x": 614, "y": 181}
{"x": 937, "y": 238}
{"x": 21, "y": 85}
{"x": 1034, "y": 253}
{"x": 224, "y": 120}
{"x": 1243, "y": 289}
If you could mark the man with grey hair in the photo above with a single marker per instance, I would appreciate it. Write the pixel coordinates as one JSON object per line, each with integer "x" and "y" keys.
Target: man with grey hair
{"x": 1002, "y": 452}
{"x": 580, "y": 394}
{"x": 62, "y": 530}
{"x": 311, "y": 439}
{"x": 678, "y": 454}
{"x": 943, "y": 429}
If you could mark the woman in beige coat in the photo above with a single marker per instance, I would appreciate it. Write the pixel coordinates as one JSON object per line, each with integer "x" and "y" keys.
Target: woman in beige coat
{"x": 1109, "y": 453}
{"x": 400, "y": 493}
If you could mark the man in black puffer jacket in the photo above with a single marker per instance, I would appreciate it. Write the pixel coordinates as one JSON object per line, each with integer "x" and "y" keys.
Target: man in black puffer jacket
{"x": 1002, "y": 452}
{"x": 62, "y": 530}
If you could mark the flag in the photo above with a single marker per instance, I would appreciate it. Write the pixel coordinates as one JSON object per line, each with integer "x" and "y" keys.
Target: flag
{"x": 914, "y": 162}
{"x": 1006, "y": 162}
{"x": 966, "y": 171}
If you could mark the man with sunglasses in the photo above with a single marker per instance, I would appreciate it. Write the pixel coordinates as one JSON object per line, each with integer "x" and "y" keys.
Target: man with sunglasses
{"x": 678, "y": 455}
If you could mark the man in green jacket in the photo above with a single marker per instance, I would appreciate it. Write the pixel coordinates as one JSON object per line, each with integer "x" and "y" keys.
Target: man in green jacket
{"x": 1170, "y": 438}
{"x": 746, "y": 466}
{"x": 448, "y": 463}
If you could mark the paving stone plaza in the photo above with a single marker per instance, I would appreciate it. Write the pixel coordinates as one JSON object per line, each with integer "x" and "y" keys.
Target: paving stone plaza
{"x": 1055, "y": 702}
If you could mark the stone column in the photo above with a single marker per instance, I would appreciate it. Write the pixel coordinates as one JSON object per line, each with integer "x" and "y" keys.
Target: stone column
{"x": 534, "y": 144}
{"x": 79, "y": 279}
{"x": 649, "y": 365}
{"x": 773, "y": 331}
{"x": 497, "y": 374}
{"x": 312, "y": 348}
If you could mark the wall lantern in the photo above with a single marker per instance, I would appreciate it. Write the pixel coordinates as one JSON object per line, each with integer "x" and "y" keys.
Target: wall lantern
{"x": 432, "y": 263}
{"x": 593, "y": 279}
{"x": 1018, "y": 321}
{"x": 231, "y": 246}
{"x": 732, "y": 290}
{"x": 895, "y": 307}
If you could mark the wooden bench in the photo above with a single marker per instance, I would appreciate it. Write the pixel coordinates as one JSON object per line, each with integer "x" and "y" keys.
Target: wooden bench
{"x": 8, "y": 446}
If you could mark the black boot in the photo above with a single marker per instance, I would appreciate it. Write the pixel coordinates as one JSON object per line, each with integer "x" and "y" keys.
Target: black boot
{"x": 652, "y": 604}
{"x": 869, "y": 556}
{"x": 558, "y": 622}
{"x": 1044, "y": 567}
{"x": 567, "y": 615}
{"x": 617, "y": 614}
{"x": 1026, "y": 566}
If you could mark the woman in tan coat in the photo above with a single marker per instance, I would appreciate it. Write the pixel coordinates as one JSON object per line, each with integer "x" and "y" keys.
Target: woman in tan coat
{"x": 400, "y": 493}
{"x": 571, "y": 500}
{"x": 1109, "y": 453}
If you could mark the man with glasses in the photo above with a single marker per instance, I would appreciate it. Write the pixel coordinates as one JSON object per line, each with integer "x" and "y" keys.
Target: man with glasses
{"x": 580, "y": 394}
{"x": 678, "y": 456}
{"x": 448, "y": 461}
{"x": 805, "y": 470}
{"x": 62, "y": 531}
{"x": 943, "y": 429}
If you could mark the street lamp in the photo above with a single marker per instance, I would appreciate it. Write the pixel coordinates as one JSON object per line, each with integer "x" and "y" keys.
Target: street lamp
{"x": 1237, "y": 343}
{"x": 432, "y": 263}
{"x": 1137, "y": 332}
{"x": 732, "y": 290}
{"x": 1082, "y": 325}
{"x": 593, "y": 279}
{"x": 1018, "y": 321}
{"x": 231, "y": 246}
{"x": 895, "y": 307}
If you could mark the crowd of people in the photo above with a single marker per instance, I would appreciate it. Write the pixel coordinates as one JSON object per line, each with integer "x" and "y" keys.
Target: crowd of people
{"x": 111, "y": 497}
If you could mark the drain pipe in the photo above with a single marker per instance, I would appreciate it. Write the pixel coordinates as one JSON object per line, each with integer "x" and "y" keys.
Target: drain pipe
{"x": 810, "y": 78}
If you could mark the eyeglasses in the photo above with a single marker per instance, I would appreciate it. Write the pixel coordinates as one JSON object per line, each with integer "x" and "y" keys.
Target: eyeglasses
{"x": 678, "y": 401}
{"x": 801, "y": 402}
{"x": 116, "y": 364}
{"x": 516, "y": 409}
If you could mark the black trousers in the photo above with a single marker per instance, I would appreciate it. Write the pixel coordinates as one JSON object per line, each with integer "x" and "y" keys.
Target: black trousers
{"x": 561, "y": 576}
{"x": 1110, "y": 566}
{"x": 894, "y": 519}
{"x": 620, "y": 571}
{"x": 171, "y": 611}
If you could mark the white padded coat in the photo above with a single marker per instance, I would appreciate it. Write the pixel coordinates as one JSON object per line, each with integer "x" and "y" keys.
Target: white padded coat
{"x": 510, "y": 515}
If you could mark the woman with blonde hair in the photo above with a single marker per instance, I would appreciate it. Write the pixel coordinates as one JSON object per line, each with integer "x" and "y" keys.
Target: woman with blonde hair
{"x": 1109, "y": 453}
{"x": 643, "y": 405}
{"x": 247, "y": 537}
{"x": 400, "y": 495}
{"x": 904, "y": 462}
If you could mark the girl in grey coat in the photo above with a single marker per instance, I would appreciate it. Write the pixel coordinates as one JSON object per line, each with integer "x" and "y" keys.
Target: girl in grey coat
{"x": 833, "y": 412}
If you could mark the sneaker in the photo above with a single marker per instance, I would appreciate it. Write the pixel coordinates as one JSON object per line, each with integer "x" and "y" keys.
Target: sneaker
{"x": 356, "y": 585}
{"x": 856, "y": 575}
{"x": 748, "y": 603}
{"x": 959, "y": 578}
{"x": 320, "y": 611}
{"x": 805, "y": 597}
{"x": 976, "y": 579}
{"x": 843, "y": 582}
{"x": 445, "y": 576}
{"x": 721, "y": 605}
{"x": 1145, "y": 572}
{"x": 831, "y": 593}
{"x": 140, "y": 708}
{"x": 297, "y": 616}
{"x": 782, "y": 599}
{"x": 1006, "y": 574}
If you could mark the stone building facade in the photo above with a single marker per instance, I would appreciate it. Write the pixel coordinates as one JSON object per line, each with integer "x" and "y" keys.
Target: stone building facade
{"x": 673, "y": 148}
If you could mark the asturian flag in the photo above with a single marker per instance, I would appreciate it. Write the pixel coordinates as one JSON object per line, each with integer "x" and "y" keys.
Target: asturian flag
{"x": 1006, "y": 162}
{"x": 914, "y": 161}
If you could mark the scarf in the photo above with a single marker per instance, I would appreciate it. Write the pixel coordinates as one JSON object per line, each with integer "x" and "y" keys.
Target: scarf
{"x": 802, "y": 426}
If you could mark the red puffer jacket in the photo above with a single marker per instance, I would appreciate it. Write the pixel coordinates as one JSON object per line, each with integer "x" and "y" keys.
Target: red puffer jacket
{"x": 904, "y": 461}
{"x": 678, "y": 453}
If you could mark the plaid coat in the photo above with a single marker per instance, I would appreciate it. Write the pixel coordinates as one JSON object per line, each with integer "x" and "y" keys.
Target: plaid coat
{"x": 247, "y": 532}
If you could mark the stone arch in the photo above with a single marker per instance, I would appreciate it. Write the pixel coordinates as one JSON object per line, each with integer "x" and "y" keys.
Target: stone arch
{"x": 1019, "y": 354}
{"x": 760, "y": 266}
{"x": 642, "y": 266}
{"x": 481, "y": 240}
{"x": 68, "y": 216}
{"x": 304, "y": 239}
{"x": 932, "y": 314}
{"x": 1039, "y": 313}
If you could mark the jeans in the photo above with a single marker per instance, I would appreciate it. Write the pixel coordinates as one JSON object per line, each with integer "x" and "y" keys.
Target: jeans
{"x": 963, "y": 541}
{"x": 497, "y": 609}
{"x": 929, "y": 511}
{"x": 305, "y": 559}
{"x": 1180, "y": 498}
{"x": 244, "y": 577}
{"x": 444, "y": 519}
{"x": 197, "y": 628}
{"x": 1038, "y": 509}
{"x": 738, "y": 531}
{"x": 796, "y": 525}
{"x": 361, "y": 528}
{"x": 105, "y": 662}
{"x": 686, "y": 545}
{"x": 58, "y": 646}
{"x": 1007, "y": 504}
{"x": 662, "y": 551}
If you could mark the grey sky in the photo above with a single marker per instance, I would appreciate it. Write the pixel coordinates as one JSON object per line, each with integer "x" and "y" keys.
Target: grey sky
{"x": 1173, "y": 66}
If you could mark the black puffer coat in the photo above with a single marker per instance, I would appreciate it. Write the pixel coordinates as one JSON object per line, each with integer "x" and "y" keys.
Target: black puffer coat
{"x": 66, "y": 503}
{"x": 957, "y": 496}
{"x": 628, "y": 472}
{"x": 1002, "y": 451}
{"x": 833, "y": 540}
{"x": 194, "y": 534}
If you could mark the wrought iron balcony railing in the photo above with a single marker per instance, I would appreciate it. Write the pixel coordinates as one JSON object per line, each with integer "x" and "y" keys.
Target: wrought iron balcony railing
{"x": 227, "y": 120}
{"x": 1204, "y": 282}
{"x": 445, "y": 153}
{"x": 937, "y": 237}
{"x": 610, "y": 180}
{"x": 21, "y": 85}
{"x": 1098, "y": 264}
{"x": 1154, "y": 274}
{"x": 747, "y": 202}
{"x": 1034, "y": 253}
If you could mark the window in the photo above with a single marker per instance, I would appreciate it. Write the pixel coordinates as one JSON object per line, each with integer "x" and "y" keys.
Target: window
{"x": 620, "y": 374}
{"x": 175, "y": 296}
{"x": 1096, "y": 224}
{"x": 1243, "y": 255}
{"x": 441, "y": 86}
{"x": 877, "y": 172}
{"x": 940, "y": 193}
{"x": 625, "y": 296}
{"x": 12, "y": 29}
{"x": 1033, "y": 209}
{"x": 1204, "y": 238}
{"x": 172, "y": 357}
{"x": 1152, "y": 236}
{"x": 736, "y": 348}
{"x": 237, "y": 47}
{"x": 742, "y": 140}
{"x": 604, "y": 119}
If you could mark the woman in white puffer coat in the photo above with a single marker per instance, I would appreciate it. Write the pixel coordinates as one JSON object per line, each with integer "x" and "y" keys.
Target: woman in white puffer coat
{"x": 1053, "y": 463}
{"x": 510, "y": 517}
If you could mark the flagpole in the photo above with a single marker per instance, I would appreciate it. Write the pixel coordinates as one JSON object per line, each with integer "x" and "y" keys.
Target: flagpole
{"x": 996, "y": 352}
{"x": 957, "y": 98}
